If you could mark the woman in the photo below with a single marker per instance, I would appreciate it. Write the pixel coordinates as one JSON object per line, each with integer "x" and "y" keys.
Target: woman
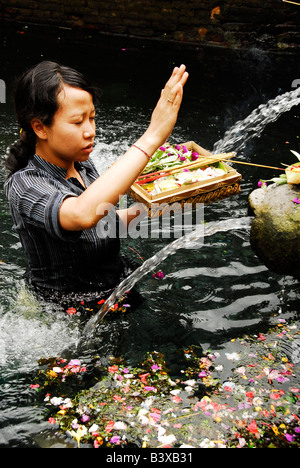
{"x": 55, "y": 194}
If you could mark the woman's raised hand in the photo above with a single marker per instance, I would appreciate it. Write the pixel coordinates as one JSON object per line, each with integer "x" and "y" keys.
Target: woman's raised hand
{"x": 166, "y": 111}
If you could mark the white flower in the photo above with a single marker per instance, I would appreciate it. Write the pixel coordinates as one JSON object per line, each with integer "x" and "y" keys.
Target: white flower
{"x": 219, "y": 368}
{"x": 190, "y": 383}
{"x": 67, "y": 403}
{"x": 93, "y": 428}
{"x": 232, "y": 356}
{"x": 119, "y": 425}
{"x": 167, "y": 440}
{"x": 56, "y": 401}
{"x": 189, "y": 389}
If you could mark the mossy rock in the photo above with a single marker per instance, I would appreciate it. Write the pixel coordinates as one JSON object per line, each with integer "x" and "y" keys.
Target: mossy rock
{"x": 275, "y": 234}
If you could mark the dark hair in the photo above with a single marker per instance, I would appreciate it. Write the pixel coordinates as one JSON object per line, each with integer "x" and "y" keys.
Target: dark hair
{"x": 35, "y": 96}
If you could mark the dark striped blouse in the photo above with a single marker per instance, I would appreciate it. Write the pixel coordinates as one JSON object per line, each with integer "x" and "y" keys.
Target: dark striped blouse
{"x": 58, "y": 259}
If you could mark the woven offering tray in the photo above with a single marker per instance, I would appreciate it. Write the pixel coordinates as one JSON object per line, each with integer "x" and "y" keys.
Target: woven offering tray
{"x": 188, "y": 174}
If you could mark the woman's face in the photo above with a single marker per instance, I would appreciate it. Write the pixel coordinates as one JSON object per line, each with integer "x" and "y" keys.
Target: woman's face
{"x": 71, "y": 135}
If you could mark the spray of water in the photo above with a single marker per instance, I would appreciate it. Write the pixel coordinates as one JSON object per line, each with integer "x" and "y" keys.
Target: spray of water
{"x": 191, "y": 240}
{"x": 244, "y": 130}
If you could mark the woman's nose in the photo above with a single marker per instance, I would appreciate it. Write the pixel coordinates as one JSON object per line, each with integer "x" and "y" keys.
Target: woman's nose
{"x": 89, "y": 131}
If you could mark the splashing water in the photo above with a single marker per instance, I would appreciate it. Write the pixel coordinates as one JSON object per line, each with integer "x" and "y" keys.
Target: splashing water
{"x": 244, "y": 130}
{"x": 191, "y": 240}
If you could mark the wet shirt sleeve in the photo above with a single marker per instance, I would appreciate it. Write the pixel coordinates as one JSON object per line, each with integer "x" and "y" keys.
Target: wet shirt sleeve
{"x": 37, "y": 200}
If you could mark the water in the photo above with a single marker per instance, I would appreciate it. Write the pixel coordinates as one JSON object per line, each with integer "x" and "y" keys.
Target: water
{"x": 237, "y": 137}
{"x": 191, "y": 240}
{"x": 210, "y": 294}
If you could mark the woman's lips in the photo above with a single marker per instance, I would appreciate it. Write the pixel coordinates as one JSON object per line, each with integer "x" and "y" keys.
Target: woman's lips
{"x": 88, "y": 149}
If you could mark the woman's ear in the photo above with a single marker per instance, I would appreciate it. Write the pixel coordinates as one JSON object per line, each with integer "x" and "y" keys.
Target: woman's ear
{"x": 39, "y": 129}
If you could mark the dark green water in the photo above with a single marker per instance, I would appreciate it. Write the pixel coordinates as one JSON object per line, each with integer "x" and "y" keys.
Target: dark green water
{"x": 209, "y": 295}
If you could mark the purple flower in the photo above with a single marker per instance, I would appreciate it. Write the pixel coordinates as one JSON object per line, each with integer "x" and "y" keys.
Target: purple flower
{"x": 289, "y": 437}
{"x": 178, "y": 147}
{"x": 182, "y": 158}
{"x": 297, "y": 430}
{"x": 115, "y": 439}
{"x": 158, "y": 275}
{"x": 195, "y": 156}
{"x": 296, "y": 200}
{"x": 74, "y": 362}
{"x": 85, "y": 418}
{"x": 150, "y": 389}
{"x": 184, "y": 149}
{"x": 155, "y": 367}
{"x": 162, "y": 148}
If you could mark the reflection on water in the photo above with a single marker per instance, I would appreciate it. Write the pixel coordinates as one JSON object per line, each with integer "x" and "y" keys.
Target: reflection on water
{"x": 209, "y": 295}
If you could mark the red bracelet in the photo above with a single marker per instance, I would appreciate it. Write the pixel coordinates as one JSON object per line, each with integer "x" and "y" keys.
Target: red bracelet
{"x": 143, "y": 151}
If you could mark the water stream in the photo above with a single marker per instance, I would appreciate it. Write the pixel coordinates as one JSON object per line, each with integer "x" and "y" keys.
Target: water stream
{"x": 242, "y": 131}
{"x": 191, "y": 240}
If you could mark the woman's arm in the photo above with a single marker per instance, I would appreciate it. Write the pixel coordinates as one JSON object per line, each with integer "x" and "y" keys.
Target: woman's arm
{"x": 85, "y": 211}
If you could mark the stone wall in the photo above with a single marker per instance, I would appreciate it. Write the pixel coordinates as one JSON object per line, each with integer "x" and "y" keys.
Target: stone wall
{"x": 267, "y": 24}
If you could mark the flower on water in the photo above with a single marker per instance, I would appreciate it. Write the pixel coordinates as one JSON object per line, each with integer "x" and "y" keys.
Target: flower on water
{"x": 56, "y": 401}
{"x": 158, "y": 275}
{"x": 232, "y": 356}
{"x": 94, "y": 428}
{"x": 252, "y": 427}
{"x": 120, "y": 426}
{"x": 143, "y": 377}
{"x": 85, "y": 418}
{"x": 71, "y": 311}
{"x": 150, "y": 389}
{"x": 113, "y": 369}
{"x": 115, "y": 440}
{"x": 167, "y": 439}
{"x": 109, "y": 426}
{"x": 289, "y": 437}
{"x": 155, "y": 367}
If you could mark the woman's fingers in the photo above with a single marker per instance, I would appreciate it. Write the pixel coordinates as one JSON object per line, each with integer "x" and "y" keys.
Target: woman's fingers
{"x": 173, "y": 91}
{"x": 179, "y": 76}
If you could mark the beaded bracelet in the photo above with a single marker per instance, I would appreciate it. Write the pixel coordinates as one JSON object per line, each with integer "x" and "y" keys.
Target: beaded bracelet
{"x": 143, "y": 151}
